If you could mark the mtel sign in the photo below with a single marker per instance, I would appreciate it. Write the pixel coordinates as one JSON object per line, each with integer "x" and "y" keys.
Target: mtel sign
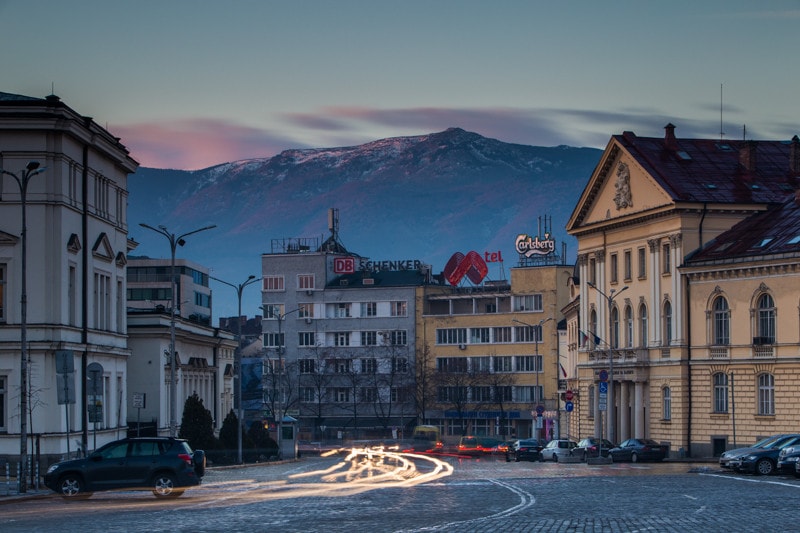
{"x": 528, "y": 246}
{"x": 348, "y": 265}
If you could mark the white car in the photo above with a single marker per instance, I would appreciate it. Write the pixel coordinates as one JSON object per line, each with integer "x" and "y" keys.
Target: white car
{"x": 556, "y": 448}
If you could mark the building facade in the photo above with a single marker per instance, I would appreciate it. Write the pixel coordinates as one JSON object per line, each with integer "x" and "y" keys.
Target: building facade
{"x": 650, "y": 205}
{"x": 77, "y": 243}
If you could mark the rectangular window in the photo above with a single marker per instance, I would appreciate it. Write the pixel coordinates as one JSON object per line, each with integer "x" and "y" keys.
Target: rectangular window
{"x": 399, "y": 365}
{"x": 481, "y": 394}
{"x": 102, "y": 301}
{"x": 72, "y": 295}
{"x": 272, "y": 311}
{"x": 306, "y": 338}
{"x": 399, "y": 309}
{"x": 273, "y": 340}
{"x": 3, "y": 396}
{"x": 666, "y": 403}
{"x": 305, "y": 282}
{"x": 528, "y": 302}
{"x": 202, "y": 300}
{"x": 614, "y": 268}
{"x": 502, "y": 334}
{"x": 398, "y": 337}
{"x": 305, "y": 310}
{"x": 527, "y": 393}
{"x": 273, "y": 283}
{"x": 503, "y": 363}
{"x": 481, "y": 364}
{"x": 642, "y": 263}
{"x": 307, "y": 366}
{"x": 341, "y": 394}
{"x": 369, "y": 338}
{"x": 503, "y": 393}
{"x": 665, "y": 258}
{"x": 627, "y": 267}
{"x": 451, "y": 336}
{"x": 399, "y": 394}
{"x": 451, "y": 394}
{"x": 369, "y": 366}
{"x": 342, "y": 366}
{"x": 593, "y": 270}
{"x": 479, "y": 335}
{"x": 343, "y": 310}
{"x": 341, "y": 338}
{"x": 369, "y": 394}
{"x": 451, "y": 364}
{"x": 528, "y": 333}
{"x": 529, "y": 363}
{"x": 766, "y": 394}
{"x": 3, "y": 280}
{"x": 307, "y": 395}
{"x": 369, "y": 309}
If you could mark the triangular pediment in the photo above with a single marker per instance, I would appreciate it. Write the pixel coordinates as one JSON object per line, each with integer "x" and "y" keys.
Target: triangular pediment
{"x": 6, "y": 239}
{"x": 74, "y": 244}
{"x": 121, "y": 260}
{"x": 102, "y": 248}
{"x": 618, "y": 189}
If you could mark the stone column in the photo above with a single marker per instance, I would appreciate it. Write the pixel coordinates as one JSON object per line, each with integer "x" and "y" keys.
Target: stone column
{"x": 639, "y": 430}
{"x": 625, "y": 411}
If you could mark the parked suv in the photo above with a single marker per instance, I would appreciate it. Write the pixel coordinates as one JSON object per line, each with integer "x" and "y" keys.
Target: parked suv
{"x": 162, "y": 465}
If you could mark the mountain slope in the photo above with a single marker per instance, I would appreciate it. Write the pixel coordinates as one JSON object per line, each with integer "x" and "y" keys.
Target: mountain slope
{"x": 422, "y": 197}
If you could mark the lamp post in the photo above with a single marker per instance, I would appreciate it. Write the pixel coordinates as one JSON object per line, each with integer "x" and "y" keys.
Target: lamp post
{"x": 536, "y": 360}
{"x": 238, "y": 359}
{"x": 31, "y": 169}
{"x": 174, "y": 240}
{"x": 276, "y": 388}
{"x": 610, "y": 299}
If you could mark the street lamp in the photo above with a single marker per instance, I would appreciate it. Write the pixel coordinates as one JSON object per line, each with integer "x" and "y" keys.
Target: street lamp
{"x": 275, "y": 389}
{"x": 31, "y": 169}
{"x": 610, "y": 299}
{"x": 536, "y": 360}
{"x": 173, "y": 378}
{"x": 238, "y": 359}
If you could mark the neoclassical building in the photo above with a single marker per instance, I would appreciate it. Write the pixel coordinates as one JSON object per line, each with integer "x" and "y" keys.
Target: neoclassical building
{"x": 642, "y": 320}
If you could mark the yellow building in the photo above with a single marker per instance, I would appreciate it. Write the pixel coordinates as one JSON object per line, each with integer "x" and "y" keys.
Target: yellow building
{"x": 651, "y": 204}
{"x": 488, "y": 355}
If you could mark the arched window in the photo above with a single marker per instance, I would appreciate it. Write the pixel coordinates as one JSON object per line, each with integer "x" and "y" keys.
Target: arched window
{"x": 615, "y": 327}
{"x": 643, "y": 326}
{"x": 722, "y": 322}
{"x": 666, "y": 403}
{"x": 628, "y": 326}
{"x": 720, "y": 392}
{"x": 592, "y": 328}
{"x": 766, "y": 394}
{"x": 766, "y": 319}
{"x": 667, "y": 323}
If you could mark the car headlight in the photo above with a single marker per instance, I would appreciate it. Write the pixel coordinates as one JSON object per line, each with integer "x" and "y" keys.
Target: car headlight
{"x": 52, "y": 468}
{"x": 792, "y": 459}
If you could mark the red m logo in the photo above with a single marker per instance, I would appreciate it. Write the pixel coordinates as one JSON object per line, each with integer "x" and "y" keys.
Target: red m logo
{"x": 471, "y": 265}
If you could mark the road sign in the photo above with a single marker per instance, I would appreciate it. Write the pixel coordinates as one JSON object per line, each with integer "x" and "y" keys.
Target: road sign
{"x": 569, "y": 406}
{"x": 139, "y": 400}
{"x": 539, "y": 410}
{"x": 601, "y": 405}
{"x": 568, "y": 395}
{"x": 604, "y": 375}
{"x": 603, "y": 387}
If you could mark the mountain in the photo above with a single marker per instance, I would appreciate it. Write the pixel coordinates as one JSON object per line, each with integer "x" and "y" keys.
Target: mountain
{"x": 423, "y": 197}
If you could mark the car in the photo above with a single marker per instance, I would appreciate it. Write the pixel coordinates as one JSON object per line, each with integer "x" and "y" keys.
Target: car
{"x": 527, "y": 449}
{"x": 592, "y": 447}
{"x": 788, "y": 459}
{"x": 469, "y": 445}
{"x": 557, "y": 448}
{"x": 635, "y": 450}
{"x": 163, "y": 465}
{"x": 763, "y": 461}
{"x": 506, "y": 446}
{"x": 726, "y": 457}
{"x": 489, "y": 444}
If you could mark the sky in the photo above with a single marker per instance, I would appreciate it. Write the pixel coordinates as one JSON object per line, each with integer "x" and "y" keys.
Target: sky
{"x": 188, "y": 84}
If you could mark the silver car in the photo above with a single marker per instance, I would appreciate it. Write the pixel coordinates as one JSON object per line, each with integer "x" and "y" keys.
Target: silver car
{"x": 557, "y": 448}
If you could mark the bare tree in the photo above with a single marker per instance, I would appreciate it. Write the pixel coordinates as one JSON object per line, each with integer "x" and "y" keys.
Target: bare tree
{"x": 424, "y": 383}
{"x": 315, "y": 378}
{"x": 453, "y": 381}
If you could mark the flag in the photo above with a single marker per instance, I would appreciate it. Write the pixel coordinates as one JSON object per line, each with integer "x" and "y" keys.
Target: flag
{"x": 586, "y": 336}
{"x": 563, "y": 370}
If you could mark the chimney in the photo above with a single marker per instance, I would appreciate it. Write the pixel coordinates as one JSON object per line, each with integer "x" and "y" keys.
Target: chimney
{"x": 670, "y": 142}
{"x": 747, "y": 156}
{"x": 794, "y": 156}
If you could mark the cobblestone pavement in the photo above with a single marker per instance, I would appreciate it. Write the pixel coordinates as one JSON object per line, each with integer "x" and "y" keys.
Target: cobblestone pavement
{"x": 483, "y": 495}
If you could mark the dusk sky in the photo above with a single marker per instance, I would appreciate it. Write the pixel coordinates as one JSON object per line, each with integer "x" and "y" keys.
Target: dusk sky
{"x": 189, "y": 84}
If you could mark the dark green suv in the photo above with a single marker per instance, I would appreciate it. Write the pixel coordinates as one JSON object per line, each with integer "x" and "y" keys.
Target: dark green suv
{"x": 163, "y": 465}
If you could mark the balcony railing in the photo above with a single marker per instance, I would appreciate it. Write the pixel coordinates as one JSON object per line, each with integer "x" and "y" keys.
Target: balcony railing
{"x": 719, "y": 352}
{"x": 622, "y": 355}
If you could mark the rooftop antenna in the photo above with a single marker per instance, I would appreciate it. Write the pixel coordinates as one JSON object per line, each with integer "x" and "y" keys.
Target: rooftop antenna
{"x": 721, "y": 133}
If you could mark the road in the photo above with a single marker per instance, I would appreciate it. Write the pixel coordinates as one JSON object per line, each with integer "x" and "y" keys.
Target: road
{"x": 421, "y": 493}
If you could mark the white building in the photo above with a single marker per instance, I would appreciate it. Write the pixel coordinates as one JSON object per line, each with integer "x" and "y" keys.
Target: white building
{"x": 77, "y": 243}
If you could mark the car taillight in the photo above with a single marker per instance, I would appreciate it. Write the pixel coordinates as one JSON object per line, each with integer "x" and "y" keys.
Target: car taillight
{"x": 186, "y": 458}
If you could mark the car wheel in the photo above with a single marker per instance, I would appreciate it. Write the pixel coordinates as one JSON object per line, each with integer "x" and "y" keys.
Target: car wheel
{"x": 555, "y": 457}
{"x": 764, "y": 467}
{"x": 634, "y": 458}
{"x": 71, "y": 486}
{"x": 164, "y": 486}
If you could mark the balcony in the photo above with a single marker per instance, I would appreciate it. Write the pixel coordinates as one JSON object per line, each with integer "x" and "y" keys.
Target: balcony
{"x": 719, "y": 352}
{"x": 622, "y": 355}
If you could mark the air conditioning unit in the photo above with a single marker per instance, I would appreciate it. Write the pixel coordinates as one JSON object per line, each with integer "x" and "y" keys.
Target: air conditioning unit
{"x": 462, "y": 346}
{"x": 308, "y": 320}
{"x": 309, "y": 292}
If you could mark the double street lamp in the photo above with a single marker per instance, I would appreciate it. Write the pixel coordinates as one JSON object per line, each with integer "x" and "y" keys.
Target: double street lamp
{"x": 31, "y": 169}
{"x": 610, "y": 343}
{"x": 537, "y": 333}
{"x": 238, "y": 359}
{"x": 174, "y": 241}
